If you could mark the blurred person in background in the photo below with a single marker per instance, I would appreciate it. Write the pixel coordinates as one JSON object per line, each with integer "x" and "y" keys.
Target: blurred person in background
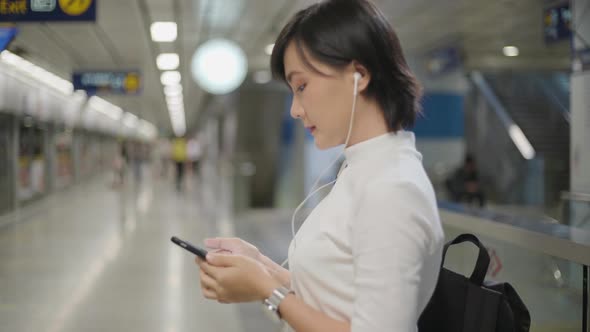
{"x": 179, "y": 156}
{"x": 38, "y": 172}
{"x": 194, "y": 151}
{"x": 163, "y": 155}
{"x": 464, "y": 184}
{"x": 137, "y": 159}
{"x": 120, "y": 165}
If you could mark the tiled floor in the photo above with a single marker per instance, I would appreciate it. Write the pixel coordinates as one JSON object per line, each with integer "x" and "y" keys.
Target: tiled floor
{"x": 92, "y": 258}
{"x": 96, "y": 259}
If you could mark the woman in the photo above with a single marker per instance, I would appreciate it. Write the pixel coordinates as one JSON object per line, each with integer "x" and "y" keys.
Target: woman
{"x": 367, "y": 257}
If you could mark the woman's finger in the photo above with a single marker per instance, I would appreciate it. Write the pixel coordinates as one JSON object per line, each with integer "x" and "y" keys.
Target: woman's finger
{"x": 199, "y": 261}
{"x": 207, "y": 281}
{"x": 205, "y": 266}
{"x": 223, "y": 260}
{"x": 209, "y": 294}
{"x": 206, "y": 288}
{"x": 209, "y": 269}
{"x": 229, "y": 244}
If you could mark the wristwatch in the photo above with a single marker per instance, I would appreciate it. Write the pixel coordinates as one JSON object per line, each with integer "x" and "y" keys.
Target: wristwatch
{"x": 274, "y": 300}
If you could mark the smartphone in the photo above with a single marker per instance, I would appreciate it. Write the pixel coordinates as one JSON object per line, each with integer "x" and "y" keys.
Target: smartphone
{"x": 202, "y": 253}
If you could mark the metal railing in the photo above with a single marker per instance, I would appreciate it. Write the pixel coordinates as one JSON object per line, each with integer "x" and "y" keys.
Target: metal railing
{"x": 575, "y": 196}
{"x": 533, "y": 253}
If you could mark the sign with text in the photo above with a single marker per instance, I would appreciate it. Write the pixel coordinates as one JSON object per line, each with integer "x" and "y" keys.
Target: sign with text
{"x": 557, "y": 23}
{"x": 47, "y": 10}
{"x": 443, "y": 60}
{"x": 108, "y": 82}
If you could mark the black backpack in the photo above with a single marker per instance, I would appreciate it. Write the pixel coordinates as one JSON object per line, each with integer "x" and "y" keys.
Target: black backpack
{"x": 460, "y": 304}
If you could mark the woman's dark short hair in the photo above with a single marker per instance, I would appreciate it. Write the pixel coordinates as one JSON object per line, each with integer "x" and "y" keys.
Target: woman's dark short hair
{"x": 337, "y": 32}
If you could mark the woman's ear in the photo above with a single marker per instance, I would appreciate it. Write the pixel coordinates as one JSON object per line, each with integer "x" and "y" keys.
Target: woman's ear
{"x": 365, "y": 76}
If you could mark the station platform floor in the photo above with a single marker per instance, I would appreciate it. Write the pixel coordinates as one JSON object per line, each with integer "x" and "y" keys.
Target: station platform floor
{"x": 97, "y": 258}
{"x": 92, "y": 258}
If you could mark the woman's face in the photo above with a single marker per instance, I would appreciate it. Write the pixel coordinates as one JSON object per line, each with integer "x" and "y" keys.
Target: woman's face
{"x": 322, "y": 102}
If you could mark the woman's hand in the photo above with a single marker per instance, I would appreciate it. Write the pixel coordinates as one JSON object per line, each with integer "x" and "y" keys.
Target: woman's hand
{"x": 235, "y": 278}
{"x": 237, "y": 246}
{"x": 233, "y": 246}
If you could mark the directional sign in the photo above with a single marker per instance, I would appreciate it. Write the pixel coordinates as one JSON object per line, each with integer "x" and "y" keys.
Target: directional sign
{"x": 557, "y": 23}
{"x": 108, "y": 82}
{"x": 47, "y": 10}
{"x": 443, "y": 60}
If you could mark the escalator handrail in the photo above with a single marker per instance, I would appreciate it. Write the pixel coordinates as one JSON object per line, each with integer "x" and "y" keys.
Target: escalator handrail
{"x": 544, "y": 236}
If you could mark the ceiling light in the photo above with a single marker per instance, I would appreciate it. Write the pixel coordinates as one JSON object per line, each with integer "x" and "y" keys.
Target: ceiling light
{"x": 219, "y": 66}
{"x": 176, "y": 113}
{"x": 39, "y": 74}
{"x": 177, "y": 117}
{"x": 106, "y": 108}
{"x": 170, "y": 78}
{"x": 164, "y": 31}
{"x": 175, "y": 109}
{"x": 171, "y": 90}
{"x": 174, "y": 99}
{"x": 179, "y": 131}
{"x": 173, "y": 93}
{"x": 130, "y": 120}
{"x": 262, "y": 76}
{"x": 510, "y": 51}
{"x": 177, "y": 120}
{"x": 175, "y": 104}
{"x": 268, "y": 49}
{"x": 168, "y": 61}
{"x": 521, "y": 142}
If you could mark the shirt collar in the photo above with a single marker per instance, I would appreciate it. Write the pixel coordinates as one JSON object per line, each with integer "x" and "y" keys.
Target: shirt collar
{"x": 378, "y": 145}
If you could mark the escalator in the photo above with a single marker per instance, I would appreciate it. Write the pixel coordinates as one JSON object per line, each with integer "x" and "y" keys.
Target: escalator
{"x": 536, "y": 104}
{"x": 539, "y": 104}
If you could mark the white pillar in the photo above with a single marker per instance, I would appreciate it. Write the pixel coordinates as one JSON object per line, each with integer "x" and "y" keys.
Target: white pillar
{"x": 580, "y": 130}
{"x": 580, "y": 103}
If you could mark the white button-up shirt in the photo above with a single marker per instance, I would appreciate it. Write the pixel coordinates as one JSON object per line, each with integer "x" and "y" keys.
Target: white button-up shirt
{"x": 370, "y": 252}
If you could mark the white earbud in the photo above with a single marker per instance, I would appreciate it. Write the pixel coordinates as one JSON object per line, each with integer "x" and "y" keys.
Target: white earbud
{"x": 357, "y": 77}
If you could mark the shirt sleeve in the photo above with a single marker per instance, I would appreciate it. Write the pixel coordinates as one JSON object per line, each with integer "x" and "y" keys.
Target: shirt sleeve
{"x": 391, "y": 237}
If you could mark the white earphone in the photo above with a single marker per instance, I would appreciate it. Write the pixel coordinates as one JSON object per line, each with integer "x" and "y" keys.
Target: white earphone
{"x": 357, "y": 76}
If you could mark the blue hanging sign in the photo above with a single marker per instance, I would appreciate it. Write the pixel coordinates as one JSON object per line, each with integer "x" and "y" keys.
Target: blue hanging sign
{"x": 443, "y": 60}
{"x": 108, "y": 82}
{"x": 6, "y": 36}
{"x": 47, "y": 10}
{"x": 557, "y": 23}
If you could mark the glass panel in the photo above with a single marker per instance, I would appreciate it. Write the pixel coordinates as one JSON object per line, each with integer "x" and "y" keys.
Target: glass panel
{"x": 64, "y": 157}
{"x": 6, "y": 161}
{"x": 578, "y": 214}
{"x": 551, "y": 288}
{"x": 31, "y": 160}
{"x": 88, "y": 153}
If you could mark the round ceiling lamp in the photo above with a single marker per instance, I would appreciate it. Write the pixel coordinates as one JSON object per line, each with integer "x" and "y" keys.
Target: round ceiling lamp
{"x": 219, "y": 66}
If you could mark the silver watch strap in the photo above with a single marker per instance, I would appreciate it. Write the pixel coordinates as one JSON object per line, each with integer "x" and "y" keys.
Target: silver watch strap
{"x": 274, "y": 300}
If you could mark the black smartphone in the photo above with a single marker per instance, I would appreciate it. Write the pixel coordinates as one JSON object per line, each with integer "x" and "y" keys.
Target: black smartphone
{"x": 202, "y": 253}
